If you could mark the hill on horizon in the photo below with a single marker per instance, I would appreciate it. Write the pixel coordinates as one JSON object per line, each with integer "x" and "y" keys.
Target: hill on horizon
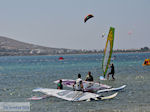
{"x": 10, "y": 46}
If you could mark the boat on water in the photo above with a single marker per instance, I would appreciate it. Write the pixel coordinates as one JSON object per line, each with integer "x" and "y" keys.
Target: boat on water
{"x": 146, "y": 62}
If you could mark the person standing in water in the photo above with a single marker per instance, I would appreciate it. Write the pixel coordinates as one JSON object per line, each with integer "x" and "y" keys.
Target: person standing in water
{"x": 59, "y": 85}
{"x": 78, "y": 86}
{"x": 89, "y": 77}
{"x": 112, "y": 72}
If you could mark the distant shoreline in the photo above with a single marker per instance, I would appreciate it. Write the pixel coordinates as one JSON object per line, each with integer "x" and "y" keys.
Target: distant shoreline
{"x": 77, "y": 54}
{"x": 10, "y": 47}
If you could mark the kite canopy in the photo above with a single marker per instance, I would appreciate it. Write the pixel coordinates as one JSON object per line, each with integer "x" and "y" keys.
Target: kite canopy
{"x": 88, "y": 17}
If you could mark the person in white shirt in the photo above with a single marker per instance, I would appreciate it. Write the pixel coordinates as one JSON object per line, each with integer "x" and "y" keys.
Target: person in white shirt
{"x": 78, "y": 86}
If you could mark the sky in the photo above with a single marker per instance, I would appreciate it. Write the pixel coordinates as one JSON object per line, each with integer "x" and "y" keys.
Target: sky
{"x": 60, "y": 23}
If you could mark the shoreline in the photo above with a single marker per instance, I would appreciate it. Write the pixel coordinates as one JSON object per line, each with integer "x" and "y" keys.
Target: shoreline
{"x": 78, "y": 54}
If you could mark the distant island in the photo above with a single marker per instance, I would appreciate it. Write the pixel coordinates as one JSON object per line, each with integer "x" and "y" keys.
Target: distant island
{"x": 11, "y": 47}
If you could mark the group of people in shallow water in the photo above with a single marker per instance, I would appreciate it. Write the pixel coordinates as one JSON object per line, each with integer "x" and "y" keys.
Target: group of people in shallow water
{"x": 78, "y": 85}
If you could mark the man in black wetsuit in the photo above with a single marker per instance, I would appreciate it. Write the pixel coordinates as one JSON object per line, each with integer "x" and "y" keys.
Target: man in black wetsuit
{"x": 112, "y": 72}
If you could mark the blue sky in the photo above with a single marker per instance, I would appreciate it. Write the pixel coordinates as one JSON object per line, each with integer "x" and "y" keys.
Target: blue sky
{"x": 60, "y": 23}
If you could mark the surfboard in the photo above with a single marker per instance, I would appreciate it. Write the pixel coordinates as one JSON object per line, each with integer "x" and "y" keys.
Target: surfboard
{"x": 102, "y": 78}
{"x": 109, "y": 97}
{"x": 88, "y": 86}
{"x": 72, "y": 95}
{"x": 38, "y": 98}
{"x": 111, "y": 89}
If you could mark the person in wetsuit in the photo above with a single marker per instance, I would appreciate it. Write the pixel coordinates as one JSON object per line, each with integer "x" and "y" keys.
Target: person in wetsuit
{"x": 59, "y": 85}
{"x": 89, "y": 77}
{"x": 112, "y": 72}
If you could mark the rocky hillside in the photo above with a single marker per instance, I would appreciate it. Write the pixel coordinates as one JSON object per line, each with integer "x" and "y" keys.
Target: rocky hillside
{"x": 13, "y": 47}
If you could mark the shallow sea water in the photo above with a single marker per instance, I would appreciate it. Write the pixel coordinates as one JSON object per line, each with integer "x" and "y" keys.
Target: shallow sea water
{"x": 19, "y": 75}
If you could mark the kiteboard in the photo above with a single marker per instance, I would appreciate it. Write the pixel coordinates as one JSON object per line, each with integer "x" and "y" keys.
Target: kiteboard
{"x": 73, "y": 95}
{"x": 88, "y": 86}
{"x": 111, "y": 89}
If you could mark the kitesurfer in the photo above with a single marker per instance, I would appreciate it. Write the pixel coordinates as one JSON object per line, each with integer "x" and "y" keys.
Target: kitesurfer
{"x": 60, "y": 85}
{"x": 78, "y": 86}
{"x": 89, "y": 77}
{"x": 112, "y": 72}
{"x": 146, "y": 62}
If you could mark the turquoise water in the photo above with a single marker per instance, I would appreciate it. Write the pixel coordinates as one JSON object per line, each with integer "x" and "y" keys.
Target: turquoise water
{"x": 19, "y": 75}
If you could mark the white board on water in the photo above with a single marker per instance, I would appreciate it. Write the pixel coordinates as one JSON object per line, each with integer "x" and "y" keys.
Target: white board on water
{"x": 109, "y": 97}
{"x": 112, "y": 89}
{"x": 38, "y": 98}
{"x": 102, "y": 78}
